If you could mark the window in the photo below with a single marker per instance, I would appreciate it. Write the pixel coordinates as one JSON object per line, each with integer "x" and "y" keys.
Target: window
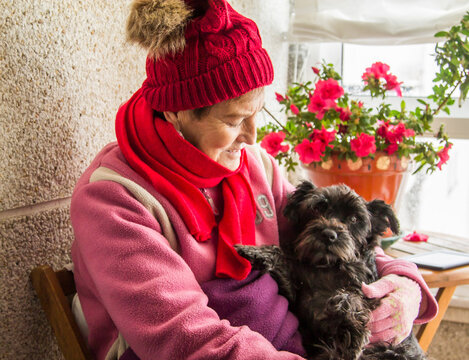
{"x": 438, "y": 202}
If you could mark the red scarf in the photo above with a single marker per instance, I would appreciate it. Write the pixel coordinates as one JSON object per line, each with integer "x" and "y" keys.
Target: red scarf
{"x": 177, "y": 170}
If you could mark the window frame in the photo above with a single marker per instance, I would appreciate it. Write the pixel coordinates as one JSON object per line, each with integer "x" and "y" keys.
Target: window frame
{"x": 456, "y": 124}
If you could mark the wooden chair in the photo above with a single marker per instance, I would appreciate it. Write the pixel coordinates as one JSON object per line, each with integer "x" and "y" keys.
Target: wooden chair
{"x": 52, "y": 288}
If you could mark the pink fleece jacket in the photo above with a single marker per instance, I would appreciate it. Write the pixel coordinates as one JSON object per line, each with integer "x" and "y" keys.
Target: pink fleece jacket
{"x": 130, "y": 281}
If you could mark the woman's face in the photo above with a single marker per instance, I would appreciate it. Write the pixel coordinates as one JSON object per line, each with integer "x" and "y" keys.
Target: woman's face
{"x": 223, "y": 131}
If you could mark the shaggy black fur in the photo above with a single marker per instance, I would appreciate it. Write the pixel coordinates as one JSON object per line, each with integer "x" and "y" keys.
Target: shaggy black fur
{"x": 320, "y": 271}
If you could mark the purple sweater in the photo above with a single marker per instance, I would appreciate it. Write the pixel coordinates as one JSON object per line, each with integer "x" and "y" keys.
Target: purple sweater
{"x": 132, "y": 282}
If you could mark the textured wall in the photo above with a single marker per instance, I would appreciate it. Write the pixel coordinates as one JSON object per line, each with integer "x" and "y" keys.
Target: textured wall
{"x": 27, "y": 241}
{"x": 64, "y": 70}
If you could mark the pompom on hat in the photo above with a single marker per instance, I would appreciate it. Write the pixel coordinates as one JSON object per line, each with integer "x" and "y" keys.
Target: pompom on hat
{"x": 199, "y": 52}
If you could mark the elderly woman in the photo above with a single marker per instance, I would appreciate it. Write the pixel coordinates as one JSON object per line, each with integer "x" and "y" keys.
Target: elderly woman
{"x": 156, "y": 214}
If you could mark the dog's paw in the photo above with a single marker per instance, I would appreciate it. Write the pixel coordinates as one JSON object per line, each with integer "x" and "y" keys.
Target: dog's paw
{"x": 243, "y": 250}
{"x": 349, "y": 305}
{"x": 261, "y": 257}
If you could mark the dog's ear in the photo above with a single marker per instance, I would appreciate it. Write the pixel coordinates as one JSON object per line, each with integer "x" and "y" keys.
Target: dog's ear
{"x": 293, "y": 210}
{"x": 382, "y": 217}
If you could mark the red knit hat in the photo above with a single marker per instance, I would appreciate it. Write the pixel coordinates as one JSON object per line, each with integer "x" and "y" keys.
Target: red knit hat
{"x": 200, "y": 52}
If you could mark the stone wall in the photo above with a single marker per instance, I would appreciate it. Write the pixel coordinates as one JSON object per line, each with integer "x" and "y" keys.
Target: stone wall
{"x": 64, "y": 70}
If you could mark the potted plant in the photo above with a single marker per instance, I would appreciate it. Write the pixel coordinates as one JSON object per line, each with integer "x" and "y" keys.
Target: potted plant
{"x": 332, "y": 134}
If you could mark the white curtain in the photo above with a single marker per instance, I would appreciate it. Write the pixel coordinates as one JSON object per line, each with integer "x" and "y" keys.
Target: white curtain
{"x": 374, "y": 22}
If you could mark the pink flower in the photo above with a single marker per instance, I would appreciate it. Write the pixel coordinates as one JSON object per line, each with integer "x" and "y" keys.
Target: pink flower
{"x": 380, "y": 70}
{"x": 377, "y": 70}
{"x": 280, "y": 97}
{"x": 393, "y": 84}
{"x": 443, "y": 155}
{"x": 309, "y": 151}
{"x": 319, "y": 106}
{"x": 360, "y": 104}
{"x": 363, "y": 145}
{"x": 272, "y": 143}
{"x": 294, "y": 109}
{"x": 409, "y": 133}
{"x": 329, "y": 89}
{"x": 415, "y": 236}
{"x": 316, "y": 70}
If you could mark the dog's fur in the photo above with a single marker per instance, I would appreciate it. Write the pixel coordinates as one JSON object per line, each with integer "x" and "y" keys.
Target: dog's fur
{"x": 321, "y": 270}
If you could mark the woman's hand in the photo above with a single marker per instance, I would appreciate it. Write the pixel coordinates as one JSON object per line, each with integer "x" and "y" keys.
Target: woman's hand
{"x": 400, "y": 298}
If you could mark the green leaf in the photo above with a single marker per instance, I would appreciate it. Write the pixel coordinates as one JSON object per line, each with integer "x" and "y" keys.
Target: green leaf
{"x": 441, "y": 34}
{"x": 464, "y": 89}
{"x": 419, "y": 168}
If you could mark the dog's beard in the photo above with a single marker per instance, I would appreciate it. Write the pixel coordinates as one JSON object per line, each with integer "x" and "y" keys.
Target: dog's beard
{"x": 313, "y": 247}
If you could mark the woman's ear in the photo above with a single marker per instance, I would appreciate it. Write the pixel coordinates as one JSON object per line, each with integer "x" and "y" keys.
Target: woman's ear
{"x": 172, "y": 117}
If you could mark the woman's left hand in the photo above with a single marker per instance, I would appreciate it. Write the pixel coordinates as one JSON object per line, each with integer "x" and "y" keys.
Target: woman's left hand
{"x": 392, "y": 320}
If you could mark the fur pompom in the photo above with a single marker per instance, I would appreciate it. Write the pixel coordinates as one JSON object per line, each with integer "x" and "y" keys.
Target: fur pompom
{"x": 158, "y": 25}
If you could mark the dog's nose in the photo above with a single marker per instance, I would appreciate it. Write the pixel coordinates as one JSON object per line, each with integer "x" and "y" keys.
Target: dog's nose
{"x": 330, "y": 235}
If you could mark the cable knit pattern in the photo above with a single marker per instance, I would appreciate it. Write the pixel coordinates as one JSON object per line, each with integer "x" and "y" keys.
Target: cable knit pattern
{"x": 223, "y": 59}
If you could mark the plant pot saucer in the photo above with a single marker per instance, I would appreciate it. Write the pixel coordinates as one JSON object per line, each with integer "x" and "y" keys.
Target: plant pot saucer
{"x": 388, "y": 241}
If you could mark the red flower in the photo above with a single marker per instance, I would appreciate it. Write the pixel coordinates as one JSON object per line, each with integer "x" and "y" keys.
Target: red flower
{"x": 443, "y": 155}
{"x": 280, "y": 97}
{"x": 329, "y": 89}
{"x": 316, "y": 70}
{"x": 294, "y": 109}
{"x": 344, "y": 114}
{"x": 326, "y": 137}
{"x": 392, "y": 148}
{"x": 272, "y": 143}
{"x": 363, "y": 145}
{"x": 323, "y": 97}
{"x": 343, "y": 129}
{"x": 393, "y": 134}
{"x": 319, "y": 106}
{"x": 382, "y": 128}
{"x": 310, "y": 151}
{"x": 415, "y": 236}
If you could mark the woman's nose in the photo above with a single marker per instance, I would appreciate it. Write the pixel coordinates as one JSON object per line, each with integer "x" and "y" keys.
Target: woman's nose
{"x": 249, "y": 131}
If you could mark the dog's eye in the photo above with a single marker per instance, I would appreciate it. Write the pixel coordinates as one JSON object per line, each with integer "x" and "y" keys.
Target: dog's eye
{"x": 321, "y": 206}
{"x": 352, "y": 219}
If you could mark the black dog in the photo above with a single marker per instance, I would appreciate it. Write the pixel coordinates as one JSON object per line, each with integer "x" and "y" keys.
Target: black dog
{"x": 321, "y": 270}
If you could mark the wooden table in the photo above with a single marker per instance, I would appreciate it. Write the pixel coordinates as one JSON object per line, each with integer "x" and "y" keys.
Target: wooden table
{"x": 446, "y": 281}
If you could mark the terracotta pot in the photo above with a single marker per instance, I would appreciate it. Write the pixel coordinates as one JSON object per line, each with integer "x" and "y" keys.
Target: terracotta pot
{"x": 378, "y": 178}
